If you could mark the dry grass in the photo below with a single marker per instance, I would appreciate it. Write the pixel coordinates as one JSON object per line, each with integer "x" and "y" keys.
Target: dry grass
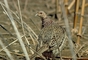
{"x": 20, "y": 39}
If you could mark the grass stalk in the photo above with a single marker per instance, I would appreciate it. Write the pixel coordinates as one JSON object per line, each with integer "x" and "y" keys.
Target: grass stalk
{"x": 16, "y": 30}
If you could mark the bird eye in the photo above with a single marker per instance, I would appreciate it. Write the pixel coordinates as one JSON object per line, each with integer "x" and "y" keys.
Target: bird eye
{"x": 40, "y": 12}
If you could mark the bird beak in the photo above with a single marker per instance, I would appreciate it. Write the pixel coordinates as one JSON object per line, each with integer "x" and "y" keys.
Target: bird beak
{"x": 36, "y": 14}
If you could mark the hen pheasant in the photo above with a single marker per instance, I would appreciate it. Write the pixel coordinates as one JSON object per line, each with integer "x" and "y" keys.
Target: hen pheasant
{"x": 52, "y": 34}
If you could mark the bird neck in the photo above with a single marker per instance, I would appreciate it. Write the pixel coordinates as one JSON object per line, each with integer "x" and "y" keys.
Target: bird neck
{"x": 45, "y": 22}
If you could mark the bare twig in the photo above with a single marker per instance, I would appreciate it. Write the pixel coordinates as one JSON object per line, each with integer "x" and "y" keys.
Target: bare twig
{"x": 15, "y": 5}
{"x": 6, "y": 50}
{"x": 25, "y": 6}
{"x": 9, "y": 44}
{"x": 32, "y": 34}
{"x": 68, "y": 30}
{"x": 16, "y": 30}
{"x": 6, "y": 30}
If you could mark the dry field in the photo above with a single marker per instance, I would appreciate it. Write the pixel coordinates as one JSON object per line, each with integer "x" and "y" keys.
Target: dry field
{"x": 28, "y": 27}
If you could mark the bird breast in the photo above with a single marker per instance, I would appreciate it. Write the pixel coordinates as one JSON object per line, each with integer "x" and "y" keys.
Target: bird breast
{"x": 51, "y": 35}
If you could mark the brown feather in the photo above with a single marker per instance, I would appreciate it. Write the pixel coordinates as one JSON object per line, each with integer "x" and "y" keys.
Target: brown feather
{"x": 51, "y": 33}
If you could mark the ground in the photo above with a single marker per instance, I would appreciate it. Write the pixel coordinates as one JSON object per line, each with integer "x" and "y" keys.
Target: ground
{"x": 28, "y": 16}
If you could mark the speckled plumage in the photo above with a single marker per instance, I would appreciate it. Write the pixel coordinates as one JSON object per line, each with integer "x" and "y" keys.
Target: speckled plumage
{"x": 51, "y": 33}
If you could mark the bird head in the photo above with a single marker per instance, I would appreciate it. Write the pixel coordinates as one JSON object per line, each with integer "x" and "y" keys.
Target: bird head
{"x": 41, "y": 14}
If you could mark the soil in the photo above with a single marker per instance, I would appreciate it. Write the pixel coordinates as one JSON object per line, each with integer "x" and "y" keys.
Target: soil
{"x": 8, "y": 35}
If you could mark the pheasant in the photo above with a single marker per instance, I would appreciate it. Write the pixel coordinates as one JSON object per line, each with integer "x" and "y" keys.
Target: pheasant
{"x": 51, "y": 34}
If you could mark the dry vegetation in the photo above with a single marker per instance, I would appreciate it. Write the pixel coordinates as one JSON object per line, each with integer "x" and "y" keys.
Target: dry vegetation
{"x": 19, "y": 28}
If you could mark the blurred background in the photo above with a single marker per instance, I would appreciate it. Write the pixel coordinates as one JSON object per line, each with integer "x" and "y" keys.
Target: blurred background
{"x": 32, "y": 24}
